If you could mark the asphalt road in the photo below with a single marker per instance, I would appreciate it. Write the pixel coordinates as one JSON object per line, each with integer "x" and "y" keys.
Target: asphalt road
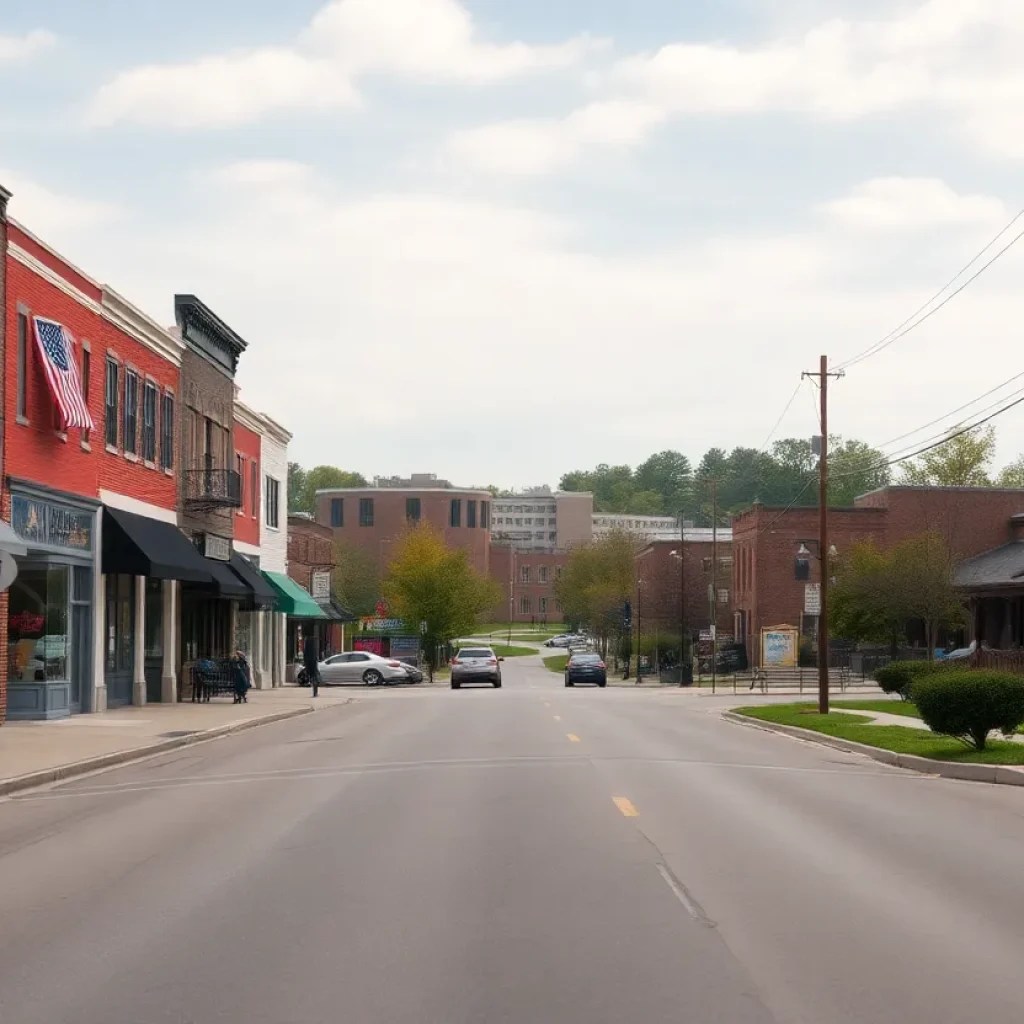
{"x": 528, "y": 855}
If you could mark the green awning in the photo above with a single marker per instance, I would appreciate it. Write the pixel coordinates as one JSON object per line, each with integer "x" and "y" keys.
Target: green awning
{"x": 292, "y": 599}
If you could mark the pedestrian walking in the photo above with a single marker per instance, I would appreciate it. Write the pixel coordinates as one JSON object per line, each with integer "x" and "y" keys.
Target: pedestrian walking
{"x": 311, "y": 663}
{"x": 241, "y": 677}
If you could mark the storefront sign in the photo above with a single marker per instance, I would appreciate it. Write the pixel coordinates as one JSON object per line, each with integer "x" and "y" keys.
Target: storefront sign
{"x": 373, "y": 625}
{"x": 812, "y": 599}
{"x": 217, "y": 547}
{"x": 778, "y": 647}
{"x": 370, "y": 646}
{"x": 320, "y": 586}
{"x": 45, "y": 524}
{"x": 405, "y": 647}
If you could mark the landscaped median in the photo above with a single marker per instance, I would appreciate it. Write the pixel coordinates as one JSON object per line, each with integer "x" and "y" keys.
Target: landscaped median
{"x": 906, "y": 747}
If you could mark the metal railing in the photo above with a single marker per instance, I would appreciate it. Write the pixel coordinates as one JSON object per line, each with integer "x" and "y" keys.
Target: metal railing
{"x": 212, "y": 488}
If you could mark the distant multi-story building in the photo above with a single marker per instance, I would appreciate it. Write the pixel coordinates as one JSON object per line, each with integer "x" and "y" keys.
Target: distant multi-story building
{"x": 540, "y": 519}
{"x": 648, "y": 528}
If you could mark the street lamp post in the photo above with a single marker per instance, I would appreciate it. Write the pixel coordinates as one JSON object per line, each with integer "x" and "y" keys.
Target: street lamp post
{"x": 639, "y": 588}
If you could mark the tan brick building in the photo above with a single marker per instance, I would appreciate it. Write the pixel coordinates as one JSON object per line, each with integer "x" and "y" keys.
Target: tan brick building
{"x": 527, "y": 580}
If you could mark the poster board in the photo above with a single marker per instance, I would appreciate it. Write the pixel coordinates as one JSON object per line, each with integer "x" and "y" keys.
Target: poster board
{"x": 779, "y": 647}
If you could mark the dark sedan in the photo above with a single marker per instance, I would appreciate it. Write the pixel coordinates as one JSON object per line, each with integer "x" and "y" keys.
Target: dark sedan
{"x": 586, "y": 667}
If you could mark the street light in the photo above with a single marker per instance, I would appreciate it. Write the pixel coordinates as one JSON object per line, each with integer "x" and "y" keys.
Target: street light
{"x": 682, "y": 606}
{"x": 639, "y": 588}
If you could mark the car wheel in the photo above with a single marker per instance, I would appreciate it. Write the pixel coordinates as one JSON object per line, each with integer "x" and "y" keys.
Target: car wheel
{"x": 568, "y": 682}
{"x": 372, "y": 677}
{"x": 497, "y": 684}
{"x": 455, "y": 685}
{"x": 603, "y": 683}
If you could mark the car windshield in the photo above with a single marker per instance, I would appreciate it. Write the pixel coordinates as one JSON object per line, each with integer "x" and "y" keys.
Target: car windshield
{"x": 476, "y": 652}
{"x": 586, "y": 659}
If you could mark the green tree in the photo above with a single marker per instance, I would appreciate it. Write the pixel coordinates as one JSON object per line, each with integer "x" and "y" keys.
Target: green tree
{"x": 854, "y": 468}
{"x": 1013, "y": 474}
{"x": 669, "y": 475}
{"x": 429, "y": 582}
{"x": 304, "y": 483}
{"x": 597, "y": 582}
{"x": 878, "y": 594}
{"x": 646, "y": 503}
{"x": 962, "y": 461}
{"x": 356, "y": 579}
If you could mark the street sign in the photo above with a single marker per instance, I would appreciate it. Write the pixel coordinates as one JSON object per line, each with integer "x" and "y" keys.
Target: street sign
{"x": 320, "y": 586}
{"x": 423, "y": 627}
{"x": 812, "y": 599}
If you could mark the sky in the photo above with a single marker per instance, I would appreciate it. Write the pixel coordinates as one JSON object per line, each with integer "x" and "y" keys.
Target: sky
{"x": 502, "y": 240}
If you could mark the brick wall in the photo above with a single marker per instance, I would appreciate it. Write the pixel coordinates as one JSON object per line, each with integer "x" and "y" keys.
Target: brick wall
{"x": 662, "y": 580}
{"x": 247, "y": 446}
{"x": 206, "y": 391}
{"x": 538, "y": 590}
{"x": 4, "y": 511}
{"x": 76, "y": 461}
{"x": 310, "y": 549}
{"x": 389, "y": 521}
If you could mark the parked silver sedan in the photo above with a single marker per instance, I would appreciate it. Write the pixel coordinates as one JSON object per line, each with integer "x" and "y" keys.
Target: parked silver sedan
{"x": 361, "y": 667}
{"x": 476, "y": 665}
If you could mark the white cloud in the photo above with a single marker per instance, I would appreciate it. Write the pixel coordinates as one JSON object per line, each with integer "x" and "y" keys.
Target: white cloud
{"x": 901, "y": 204}
{"x": 19, "y": 47}
{"x": 960, "y": 59}
{"x": 539, "y": 146}
{"x": 407, "y": 293}
{"x": 47, "y": 212}
{"x": 346, "y": 40}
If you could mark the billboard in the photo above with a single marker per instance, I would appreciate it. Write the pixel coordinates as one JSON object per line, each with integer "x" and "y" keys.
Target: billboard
{"x": 779, "y": 647}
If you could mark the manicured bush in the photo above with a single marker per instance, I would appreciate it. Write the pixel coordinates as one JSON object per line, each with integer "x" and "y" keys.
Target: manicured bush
{"x": 970, "y": 704}
{"x": 898, "y": 676}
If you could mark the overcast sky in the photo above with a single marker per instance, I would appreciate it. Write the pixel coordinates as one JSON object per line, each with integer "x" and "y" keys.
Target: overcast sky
{"x": 502, "y": 239}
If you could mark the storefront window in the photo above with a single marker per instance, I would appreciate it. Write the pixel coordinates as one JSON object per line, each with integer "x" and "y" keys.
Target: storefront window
{"x": 37, "y": 645}
{"x": 154, "y": 618}
{"x": 119, "y": 623}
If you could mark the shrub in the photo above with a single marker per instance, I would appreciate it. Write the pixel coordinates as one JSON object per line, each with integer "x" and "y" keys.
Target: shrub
{"x": 970, "y": 704}
{"x": 898, "y": 676}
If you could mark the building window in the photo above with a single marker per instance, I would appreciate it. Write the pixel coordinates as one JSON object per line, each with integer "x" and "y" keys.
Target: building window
{"x": 723, "y": 596}
{"x": 705, "y": 564}
{"x": 254, "y": 487}
{"x": 131, "y": 411}
{"x": 366, "y": 511}
{"x": 524, "y": 574}
{"x": 802, "y": 569}
{"x": 412, "y": 509}
{"x": 37, "y": 639}
{"x": 485, "y": 515}
{"x": 167, "y": 431}
{"x": 337, "y": 512}
{"x": 240, "y": 470}
{"x": 552, "y": 536}
{"x": 455, "y": 516}
{"x": 471, "y": 514}
{"x": 542, "y": 605}
{"x": 149, "y": 423}
{"x": 120, "y": 612}
{"x": 725, "y": 564}
{"x": 552, "y": 522}
{"x": 112, "y": 391}
{"x": 542, "y": 574}
{"x": 22, "y": 408}
{"x": 525, "y": 605}
{"x": 272, "y": 502}
{"x": 558, "y": 572}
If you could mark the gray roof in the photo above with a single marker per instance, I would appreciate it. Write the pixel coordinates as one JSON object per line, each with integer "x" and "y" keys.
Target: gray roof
{"x": 1000, "y": 567}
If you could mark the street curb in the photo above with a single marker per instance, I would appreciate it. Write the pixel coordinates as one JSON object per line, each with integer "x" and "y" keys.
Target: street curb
{"x": 118, "y": 757}
{"x": 992, "y": 773}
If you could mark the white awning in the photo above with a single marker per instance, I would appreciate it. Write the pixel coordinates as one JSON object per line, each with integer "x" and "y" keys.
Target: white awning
{"x": 10, "y": 541}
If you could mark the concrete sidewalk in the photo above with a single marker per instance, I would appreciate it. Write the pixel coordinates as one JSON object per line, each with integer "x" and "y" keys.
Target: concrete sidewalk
{"x": 35, "y": 753}
{"x": 883, "y": 718}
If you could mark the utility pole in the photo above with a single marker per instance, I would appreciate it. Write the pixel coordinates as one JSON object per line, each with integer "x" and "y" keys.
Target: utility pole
{"x": 682, "y": 600}
{"x": 639, "y": 586}
{"x": 823, "y": 375}
{"x": 714, "y": 584}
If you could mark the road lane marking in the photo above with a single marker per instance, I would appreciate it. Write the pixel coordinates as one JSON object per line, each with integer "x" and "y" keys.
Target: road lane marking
{"x": 625, "y": 805}
{"x": 547, "y": 703}
{"x": 573, "y": 738}
{"x": 558, "y": 718}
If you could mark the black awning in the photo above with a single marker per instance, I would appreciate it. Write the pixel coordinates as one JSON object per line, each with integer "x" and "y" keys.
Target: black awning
{"x": 228, "y": 584}
{"x": 262, "y": 595}
{"x": 138, "y": 546}
{"x": 339, "y": 613}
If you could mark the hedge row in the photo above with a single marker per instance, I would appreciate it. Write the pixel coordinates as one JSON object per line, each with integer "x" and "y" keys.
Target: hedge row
{"x": 970, "y": 704}
{"x": 898, "y": 676}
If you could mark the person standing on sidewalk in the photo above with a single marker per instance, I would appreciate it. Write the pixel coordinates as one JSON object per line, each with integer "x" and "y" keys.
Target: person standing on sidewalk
{"x": 311, "y": 663}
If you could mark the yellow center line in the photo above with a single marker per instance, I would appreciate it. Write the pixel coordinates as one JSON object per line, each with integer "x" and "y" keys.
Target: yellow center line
{"x": 573, "y": 738}
{"x": 626, "y": 806}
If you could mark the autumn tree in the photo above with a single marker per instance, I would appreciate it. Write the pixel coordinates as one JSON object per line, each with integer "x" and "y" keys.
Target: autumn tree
{"x": 430, "y": 583}
{"x": 356, "y": 579}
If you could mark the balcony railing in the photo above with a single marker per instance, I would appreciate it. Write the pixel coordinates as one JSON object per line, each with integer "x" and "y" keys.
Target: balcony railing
{"x": 211, "y": 488}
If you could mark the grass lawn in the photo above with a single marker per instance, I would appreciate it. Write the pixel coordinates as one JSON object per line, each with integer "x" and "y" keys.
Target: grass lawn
{"x": 504, "y": 651}
{"x": 520, "y": 630}
{"x": 919, "y": 742}
{"x": 556, "y": 663}
{"x": 889, "y": 707}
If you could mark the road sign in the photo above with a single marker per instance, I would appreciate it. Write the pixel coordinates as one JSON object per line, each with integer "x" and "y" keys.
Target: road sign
{"x": 812, "y": 599}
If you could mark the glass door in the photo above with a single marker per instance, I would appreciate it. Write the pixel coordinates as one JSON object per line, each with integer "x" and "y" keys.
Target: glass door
{"x": 80, "y": 669}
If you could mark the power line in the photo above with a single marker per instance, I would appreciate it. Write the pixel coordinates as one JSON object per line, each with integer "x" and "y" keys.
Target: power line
{"x": 782, "y": 416}
{"x": 799, "y": 495}
{"x": 911, "y": 323}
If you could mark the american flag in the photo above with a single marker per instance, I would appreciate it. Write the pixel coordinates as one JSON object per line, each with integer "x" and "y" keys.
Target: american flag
{"x": 57, "y": 348}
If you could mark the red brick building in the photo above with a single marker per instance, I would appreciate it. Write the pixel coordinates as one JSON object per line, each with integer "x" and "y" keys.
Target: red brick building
{"x": 776, "y": 557}
{"x": 661, "y": 578}
{"x": 527, "y": 580}
{"x": 311, "y": 563}
{"x": 247, "y": 444}
{"x": 373, "y": 518}
{"x": 86, "y": 621}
